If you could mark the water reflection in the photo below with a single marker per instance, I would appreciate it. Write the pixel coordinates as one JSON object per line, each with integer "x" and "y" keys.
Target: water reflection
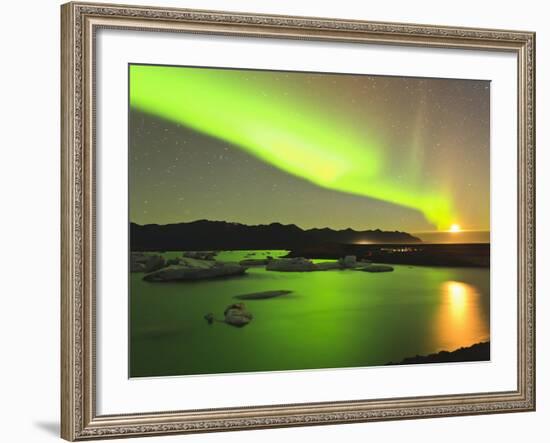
{"x": 460, "y": 319}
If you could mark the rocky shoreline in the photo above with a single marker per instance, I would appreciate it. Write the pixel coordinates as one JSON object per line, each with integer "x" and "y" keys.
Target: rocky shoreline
{"x": 478, "y": 352}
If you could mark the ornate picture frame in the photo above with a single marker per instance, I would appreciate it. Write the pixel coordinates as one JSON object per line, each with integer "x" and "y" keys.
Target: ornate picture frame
{"x": 80, "y": 22}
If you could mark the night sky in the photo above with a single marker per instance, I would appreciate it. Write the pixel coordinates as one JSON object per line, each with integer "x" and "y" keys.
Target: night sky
{"x": 315, "y": 150}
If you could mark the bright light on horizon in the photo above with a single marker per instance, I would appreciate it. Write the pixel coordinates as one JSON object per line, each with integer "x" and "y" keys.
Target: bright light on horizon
{"x": 454, "y": 228}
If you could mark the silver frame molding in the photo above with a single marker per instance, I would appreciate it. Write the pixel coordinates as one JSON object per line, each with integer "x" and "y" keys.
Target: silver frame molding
{"x": 79, "y": 22}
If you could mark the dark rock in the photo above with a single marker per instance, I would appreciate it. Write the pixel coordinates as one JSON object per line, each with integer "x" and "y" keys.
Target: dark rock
{"x": 237, "y": 315}
{"x": 200, "y": 255}
{"x": 190, "y": 269}
{"x": 140, "y": 262}
{"x": 137, "y": 262}
{"x": 137, "y": 267}
{"x": 262, "y": 295}
{"x": 209, "y": 318}
{"x": 477, "y": 352}
{"x": 154, "y": 263}
{"x": 298, "y": 264}
{"x": 327, "y": 266}
{"x": 253, "y": 262}
{"x": 375, "y": 268}
{"x": 349, "y": 261}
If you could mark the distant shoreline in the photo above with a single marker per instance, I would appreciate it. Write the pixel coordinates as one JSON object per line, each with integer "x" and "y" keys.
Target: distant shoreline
{"x": 421, "y": 254}
{"x": 478, "y": 352}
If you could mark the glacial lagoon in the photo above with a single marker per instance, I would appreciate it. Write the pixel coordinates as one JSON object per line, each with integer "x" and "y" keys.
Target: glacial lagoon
{"x": 330, "y": 319}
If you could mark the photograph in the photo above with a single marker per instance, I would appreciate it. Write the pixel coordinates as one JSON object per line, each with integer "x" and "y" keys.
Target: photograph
{"x": 271, "y": 219}
{"x": 288, "y": 220}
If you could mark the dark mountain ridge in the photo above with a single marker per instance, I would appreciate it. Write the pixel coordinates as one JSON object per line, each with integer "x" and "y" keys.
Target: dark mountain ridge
{"x": 206, "y": 235}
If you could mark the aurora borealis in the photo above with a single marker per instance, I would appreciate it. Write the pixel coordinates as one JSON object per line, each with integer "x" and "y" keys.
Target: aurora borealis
{"x": 316, "y": 150}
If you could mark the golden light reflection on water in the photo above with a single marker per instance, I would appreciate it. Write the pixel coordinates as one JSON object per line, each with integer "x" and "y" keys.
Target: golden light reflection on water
{"x": 460, "y": 320}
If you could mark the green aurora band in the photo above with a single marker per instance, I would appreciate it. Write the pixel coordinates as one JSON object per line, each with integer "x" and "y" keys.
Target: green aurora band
{"x": 292, "y": 135}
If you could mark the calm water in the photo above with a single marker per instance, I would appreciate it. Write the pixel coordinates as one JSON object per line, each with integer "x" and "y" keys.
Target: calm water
{"x": 332, "y": 319}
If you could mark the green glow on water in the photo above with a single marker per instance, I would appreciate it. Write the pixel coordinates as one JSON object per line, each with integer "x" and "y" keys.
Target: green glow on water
{"x": 332, "y": 319}
{"x": 284, "y": 131}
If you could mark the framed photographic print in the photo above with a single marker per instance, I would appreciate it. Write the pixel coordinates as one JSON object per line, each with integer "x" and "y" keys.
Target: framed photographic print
{"x": 283, "y": 221}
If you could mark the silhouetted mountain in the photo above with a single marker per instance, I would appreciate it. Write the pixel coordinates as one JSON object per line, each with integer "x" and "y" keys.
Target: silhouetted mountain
{"x": 206, "y": 235}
